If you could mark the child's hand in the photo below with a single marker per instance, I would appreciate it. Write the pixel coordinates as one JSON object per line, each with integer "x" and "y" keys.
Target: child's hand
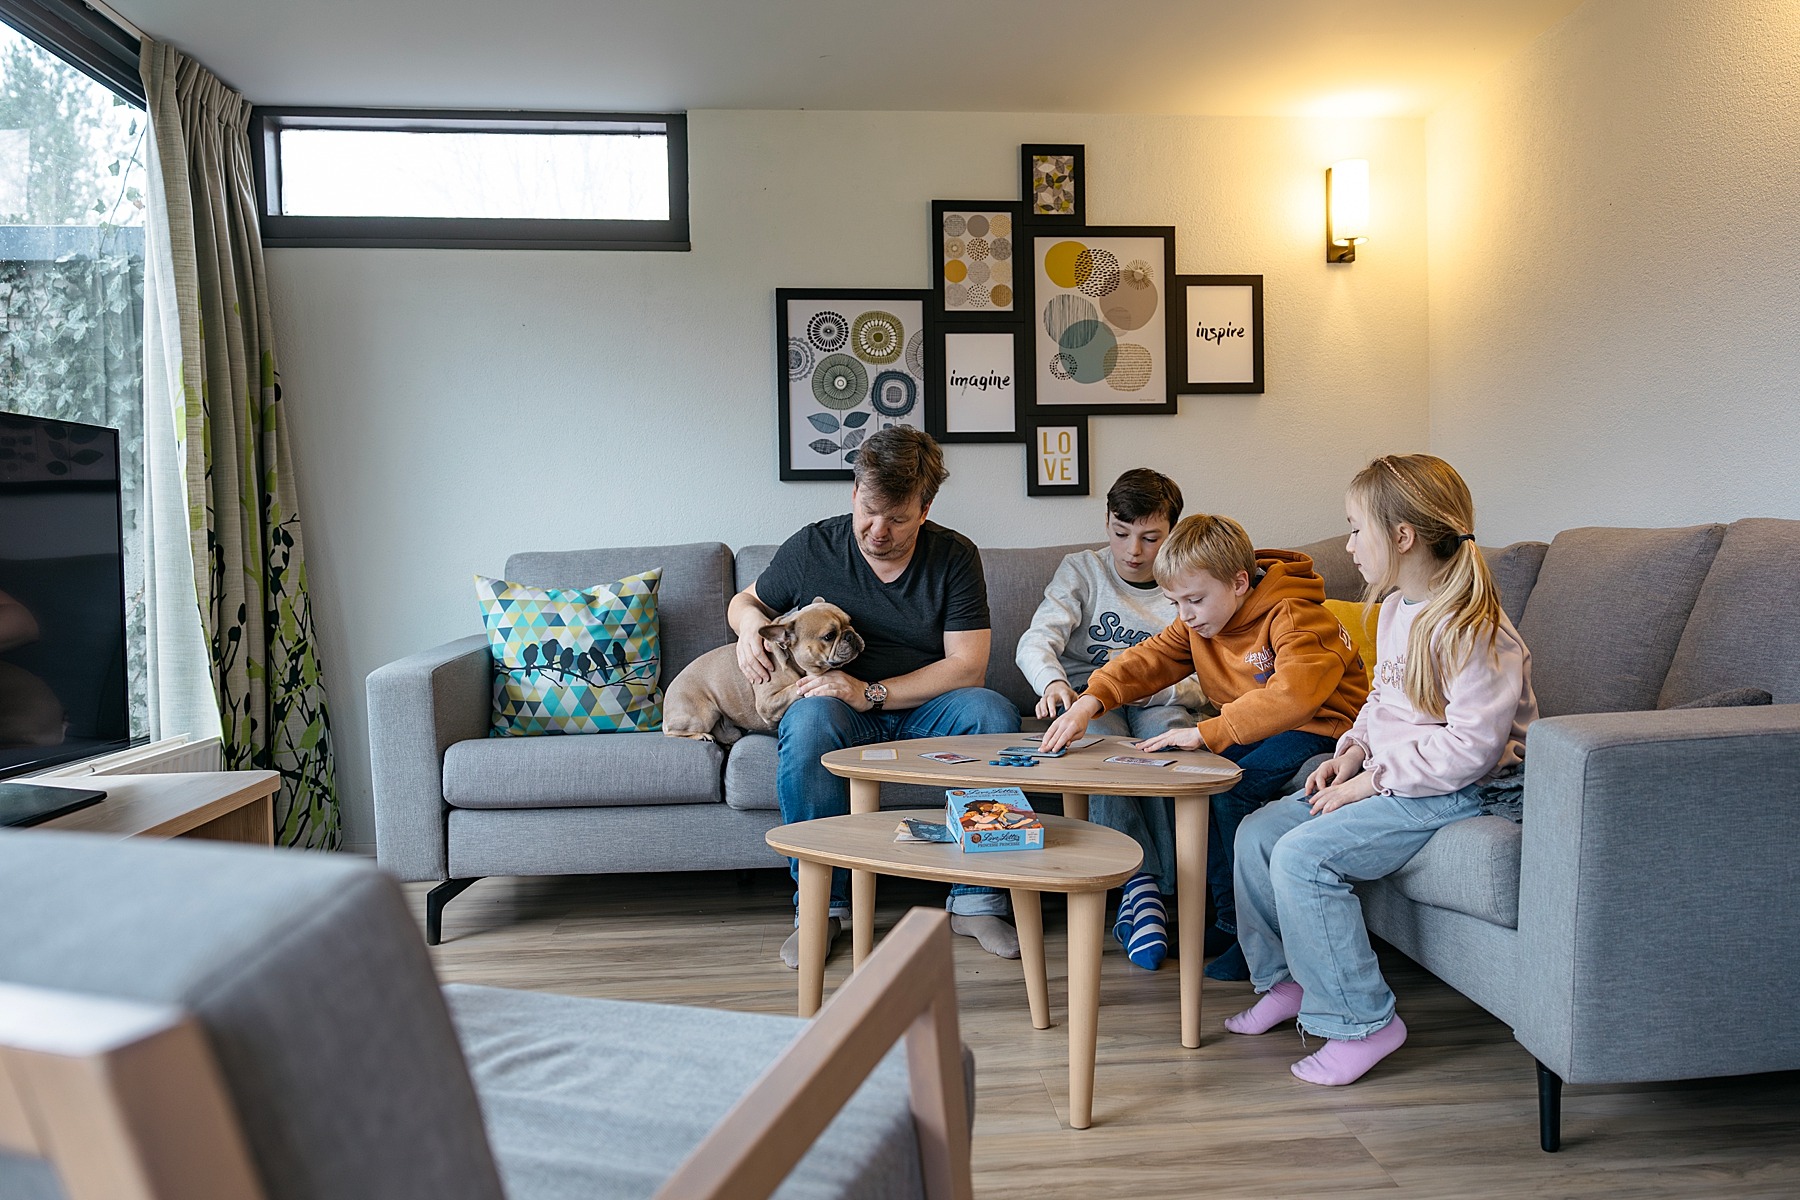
{"x": 1057, "y": 698}
{"x": 1336, "y": 770}
{"x": 1332, "y": 798}
{"x": 1175, "y": 739}
{"x": 1070, "y": 725}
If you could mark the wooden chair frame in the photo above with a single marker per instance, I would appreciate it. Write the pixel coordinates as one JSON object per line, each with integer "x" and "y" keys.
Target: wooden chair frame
{"x": 127, "y": 1103}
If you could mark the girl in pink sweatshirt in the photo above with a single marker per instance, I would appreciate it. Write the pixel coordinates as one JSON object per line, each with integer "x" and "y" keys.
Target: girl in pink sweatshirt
{"x": 1447, "y": 711}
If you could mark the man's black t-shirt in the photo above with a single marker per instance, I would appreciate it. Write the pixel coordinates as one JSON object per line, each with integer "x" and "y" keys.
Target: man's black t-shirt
{"x": 902, "y": 623}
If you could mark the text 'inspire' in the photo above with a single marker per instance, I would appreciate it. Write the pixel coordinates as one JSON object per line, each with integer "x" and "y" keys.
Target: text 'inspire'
{"x": 1218, "y": 333}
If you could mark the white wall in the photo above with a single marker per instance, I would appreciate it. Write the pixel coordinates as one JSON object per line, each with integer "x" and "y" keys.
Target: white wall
{"x": 1615, "y": 271}
{"x": 452, "y": 407}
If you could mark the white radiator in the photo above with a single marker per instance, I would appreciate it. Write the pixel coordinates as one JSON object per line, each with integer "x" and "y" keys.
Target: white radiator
{"x": 170, "y": 754}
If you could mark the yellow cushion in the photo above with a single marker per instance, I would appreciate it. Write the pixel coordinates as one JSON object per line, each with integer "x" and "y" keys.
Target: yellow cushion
{"x": 1358, "y": 621}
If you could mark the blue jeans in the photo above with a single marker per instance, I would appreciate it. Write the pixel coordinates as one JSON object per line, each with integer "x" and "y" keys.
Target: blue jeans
{"x": 1268, "y": 767}
{"x": 817, "y": 725}
{"x": 1299, "y": 919}
{"x": 1147, "y": 820}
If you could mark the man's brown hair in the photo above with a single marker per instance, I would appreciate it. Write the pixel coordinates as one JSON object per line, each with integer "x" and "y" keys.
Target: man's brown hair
{"x": 899, "y": 463}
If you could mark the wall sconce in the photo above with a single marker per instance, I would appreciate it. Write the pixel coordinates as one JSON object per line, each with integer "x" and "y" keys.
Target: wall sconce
{"x": 1346, "y": 208}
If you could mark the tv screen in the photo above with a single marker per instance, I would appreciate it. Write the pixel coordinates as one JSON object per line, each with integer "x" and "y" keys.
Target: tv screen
{"x": 62, "y": 594}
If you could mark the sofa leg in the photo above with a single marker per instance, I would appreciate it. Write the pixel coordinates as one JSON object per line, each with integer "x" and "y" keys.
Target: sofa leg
{"x": 435, "y": 900}
{"x": 1549, "y": 1109}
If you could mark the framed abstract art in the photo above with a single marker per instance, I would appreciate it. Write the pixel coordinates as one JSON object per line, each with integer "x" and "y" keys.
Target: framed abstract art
{"x": 1056, "y": 456}
{"x": 978, "y": 388}
{"x": 1221, "y": 336}
{"x": 1051, "y": 183}
{"x": 1102, "y": 318}
{"x": 972, "y": 259}
{"x": 849, "y": 361}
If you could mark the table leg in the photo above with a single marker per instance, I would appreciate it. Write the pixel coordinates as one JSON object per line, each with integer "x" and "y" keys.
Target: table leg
{"x": 1087, "y": 925}
{"x": 1075, "y": 805}
{"x": 815, "y": 906}
{"x": 865, "y": 797}
{"x": 1028, "y": 919}
{"x": 1191, "y": 813}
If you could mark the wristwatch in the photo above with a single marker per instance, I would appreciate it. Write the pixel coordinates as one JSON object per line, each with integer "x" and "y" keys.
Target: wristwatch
{"x": 876, "y": 695}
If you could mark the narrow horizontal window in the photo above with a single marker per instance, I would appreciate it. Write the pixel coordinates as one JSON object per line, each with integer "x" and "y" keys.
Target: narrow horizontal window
{"x": 504, "y": 180}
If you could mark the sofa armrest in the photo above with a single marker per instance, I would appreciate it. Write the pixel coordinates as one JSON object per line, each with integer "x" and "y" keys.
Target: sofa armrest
{"x": 418, "y": 707}
{"x": 1658, "y": 933}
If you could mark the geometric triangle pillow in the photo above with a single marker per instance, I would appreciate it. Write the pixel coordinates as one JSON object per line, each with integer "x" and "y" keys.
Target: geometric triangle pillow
{"x": 568, "y": 661}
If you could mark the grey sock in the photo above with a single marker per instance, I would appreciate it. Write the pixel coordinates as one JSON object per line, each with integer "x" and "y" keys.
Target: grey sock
{"x": 995, "y": 935}
{"x": 790, "y": 949}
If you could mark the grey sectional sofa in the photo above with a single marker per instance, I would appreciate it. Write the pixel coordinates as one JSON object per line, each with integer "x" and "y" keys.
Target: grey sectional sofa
{"x": 1653, "y": 880}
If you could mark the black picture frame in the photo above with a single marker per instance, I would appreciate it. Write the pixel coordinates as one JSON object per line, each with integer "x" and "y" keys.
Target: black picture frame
{"x": 1028, "y": 197}
{"x": 956, "y": 343}
{"x": 1076, "y": 458}
{"x": 1235, "y": 313}
{"x": 797, "y": 364}
{"x": 987, "y": 254}
{"x": 1089, "y": 387}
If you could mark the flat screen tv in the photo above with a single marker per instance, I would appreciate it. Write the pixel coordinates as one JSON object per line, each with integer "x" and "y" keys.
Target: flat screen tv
{"x": 63, "y": 692}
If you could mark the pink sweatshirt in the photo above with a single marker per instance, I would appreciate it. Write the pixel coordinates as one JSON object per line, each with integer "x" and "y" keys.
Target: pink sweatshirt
{"x": 1488, "y": 704}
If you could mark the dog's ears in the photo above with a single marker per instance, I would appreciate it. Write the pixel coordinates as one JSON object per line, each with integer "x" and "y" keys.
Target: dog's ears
{"x": 779, "y": 635}
{"x": 818, "y": 600}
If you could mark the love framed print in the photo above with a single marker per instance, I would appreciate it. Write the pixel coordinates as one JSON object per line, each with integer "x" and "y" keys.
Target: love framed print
{"x": 1102, "y": 319}
{"x": 972, "y": 259}
{"x": 978, "y": 386}
{"x": 850, "y": 361}
{"x": 1221, "y": 333}
{"x": 1056, "y": 457}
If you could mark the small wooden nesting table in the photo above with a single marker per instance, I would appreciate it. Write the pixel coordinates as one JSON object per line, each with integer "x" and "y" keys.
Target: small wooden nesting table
{"x": 1080, "y": 859}
{"x": 1077, "y": 775}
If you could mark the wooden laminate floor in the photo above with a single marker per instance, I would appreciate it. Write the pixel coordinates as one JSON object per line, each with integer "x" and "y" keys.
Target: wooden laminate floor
{"x": 1454, "y": 1113}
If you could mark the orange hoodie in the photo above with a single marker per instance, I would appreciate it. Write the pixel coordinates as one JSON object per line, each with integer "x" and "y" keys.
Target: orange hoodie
{"x": 1283, "y": 662}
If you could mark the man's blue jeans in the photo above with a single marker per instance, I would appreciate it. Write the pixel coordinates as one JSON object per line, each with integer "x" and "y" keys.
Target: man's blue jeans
{"x": 1299, "y": 919}
{"x": 817, "y": 725}
{"x": 1268, "y": 767}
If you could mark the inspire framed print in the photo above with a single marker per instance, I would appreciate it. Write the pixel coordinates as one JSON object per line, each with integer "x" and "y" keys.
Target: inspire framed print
{"x": 1102, "y": 318}
{"x": 1056, "y": 457}
{"x": 1221, "y": 333}
{"x": 978, "y": 388}
{"x": 1051, "y": 183}
{"x": 972, "y": 259}
{"x": 850, "y": 361}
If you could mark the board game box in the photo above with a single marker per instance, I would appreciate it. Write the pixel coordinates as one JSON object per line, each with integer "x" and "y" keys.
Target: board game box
{"x": 989, "y": 819}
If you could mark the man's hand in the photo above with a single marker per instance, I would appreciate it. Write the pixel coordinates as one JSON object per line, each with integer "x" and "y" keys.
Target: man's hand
{"x": 1174, "y": 739}
{"x": 1337, "y": 770}
{"x": 1071, "y": 725}
{"x": 1057, "y": 698}
{"x": 1332, "y": 798}
{"x": 753, "y": 657}
{"x": 837, "y": 685}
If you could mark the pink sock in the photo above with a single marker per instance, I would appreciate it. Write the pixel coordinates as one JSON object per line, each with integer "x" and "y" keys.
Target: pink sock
{"x": 1280, "y": 1003}
{"x": 1348, "y": 1061}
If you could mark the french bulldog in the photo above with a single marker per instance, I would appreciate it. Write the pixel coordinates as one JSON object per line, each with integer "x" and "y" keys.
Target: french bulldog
{"x": 712, "y": 700}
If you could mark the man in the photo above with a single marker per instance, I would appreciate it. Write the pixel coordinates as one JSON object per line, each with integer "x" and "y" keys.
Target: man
{"x": 916, "y": 593}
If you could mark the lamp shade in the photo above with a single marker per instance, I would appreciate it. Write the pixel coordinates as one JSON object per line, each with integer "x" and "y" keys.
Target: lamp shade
{"x": 1349, "y": 193}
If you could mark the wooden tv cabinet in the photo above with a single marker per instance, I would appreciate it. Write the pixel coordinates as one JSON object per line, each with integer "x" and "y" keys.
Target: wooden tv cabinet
{"x": 225, "y": 806}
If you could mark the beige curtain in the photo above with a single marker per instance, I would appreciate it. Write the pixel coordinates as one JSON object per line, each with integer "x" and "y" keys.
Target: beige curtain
{"x": 214, "y": 377}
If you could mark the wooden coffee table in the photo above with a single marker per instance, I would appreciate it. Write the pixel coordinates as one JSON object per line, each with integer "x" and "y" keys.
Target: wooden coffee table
{"x": 1080, "y": 859}
{"x": 228, "y": 806}
{"x": 1077, "y": 775}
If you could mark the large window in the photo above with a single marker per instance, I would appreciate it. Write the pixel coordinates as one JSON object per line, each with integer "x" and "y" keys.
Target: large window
{"x": 72, "y": 158}
{"x": 342, "y": 177}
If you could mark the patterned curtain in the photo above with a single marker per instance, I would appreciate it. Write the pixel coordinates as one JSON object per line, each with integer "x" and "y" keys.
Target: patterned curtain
{"x": 243, "y": 519}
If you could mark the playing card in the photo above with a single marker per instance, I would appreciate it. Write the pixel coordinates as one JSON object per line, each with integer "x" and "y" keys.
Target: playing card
{"x": 1131, "y": 760}
{"x": 946, "y": 756}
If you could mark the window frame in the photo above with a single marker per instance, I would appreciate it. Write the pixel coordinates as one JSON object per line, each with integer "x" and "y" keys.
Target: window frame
{"x": 468, "y": 233}
{"x": 85, "y": 39}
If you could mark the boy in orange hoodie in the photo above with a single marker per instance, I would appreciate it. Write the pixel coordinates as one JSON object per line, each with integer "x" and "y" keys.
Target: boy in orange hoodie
{"x": 1251, "y": 625}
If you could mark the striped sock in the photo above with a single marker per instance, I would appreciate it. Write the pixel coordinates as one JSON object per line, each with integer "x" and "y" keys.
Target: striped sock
{"x": 1135, "y": 887}
{"x": 1149, "y": 943}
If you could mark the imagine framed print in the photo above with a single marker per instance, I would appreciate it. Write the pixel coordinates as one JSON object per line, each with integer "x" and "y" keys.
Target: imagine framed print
{"x": 1056, "y": 457}
{"x": 1221, "y": 333}
{"x": 1051, "y": 180}
{"x": 972, "y": 258}
{"x": 850, "y": 361}
{"x": 979, "y": 386}
{"x": 1102, "y": 317}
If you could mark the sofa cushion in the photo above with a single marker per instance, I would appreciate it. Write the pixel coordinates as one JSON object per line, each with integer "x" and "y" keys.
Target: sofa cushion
{"x": 690, "y": 603}
{"x": 1729, "y": 698}
{"x": 1469, "y": 867}
{"x": 1016, "y": 579}
{"x": 573, "y": 661}
{"x": 1746, "y": 619}
{"x": 1607, "y": 612}
{"x": 576, "y": 1109}
{"x": 1335, "y": 566}
{"x": 1515, "y": 570}
{"x": 1360, "y": 622}
{"x": 750, "y": 781}
{"x": 580, "y": 771}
